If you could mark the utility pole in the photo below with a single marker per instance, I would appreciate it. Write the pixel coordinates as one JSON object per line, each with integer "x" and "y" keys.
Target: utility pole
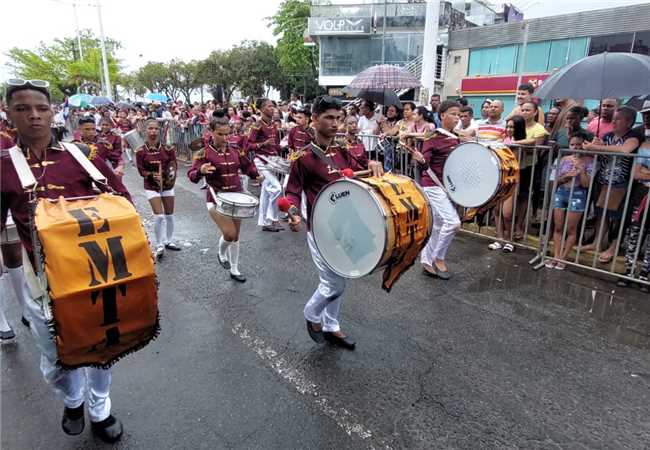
{"x": 524, "y": 47}
{"x": 383, "y": 34}
{"x": 76, "y": 23}
{"x": 107, "y": 81}
{"x": 429, "y": 50}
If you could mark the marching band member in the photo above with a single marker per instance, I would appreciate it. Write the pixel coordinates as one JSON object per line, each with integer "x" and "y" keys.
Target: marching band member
{"x": 309, "y": 174}
{"x": 435, "y": 150}
{"x": 99, "y": 148}
{"x": 219, "y": 163}
{"x": 352, "y": 141}
{"x": 57, "y": 174}
{"x": 113, "y": 144}
{"x": 300, "y": 135}
{"x": 157, "y": 165}
{"x": 264, "y": 141}
{"x": 124, "y": 125}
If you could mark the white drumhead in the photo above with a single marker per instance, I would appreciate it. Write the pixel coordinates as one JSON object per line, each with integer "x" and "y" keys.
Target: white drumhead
{"x": 349, "y": 228}
{"x": 238, "y": 198}
{"x": 471, "y": 174}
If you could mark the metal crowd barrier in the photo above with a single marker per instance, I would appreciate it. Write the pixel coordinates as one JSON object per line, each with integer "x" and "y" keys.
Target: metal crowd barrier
{"x": 535, "y": 211}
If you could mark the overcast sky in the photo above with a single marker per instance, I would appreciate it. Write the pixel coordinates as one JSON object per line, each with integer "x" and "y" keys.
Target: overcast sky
{"x": 159, "y": 30}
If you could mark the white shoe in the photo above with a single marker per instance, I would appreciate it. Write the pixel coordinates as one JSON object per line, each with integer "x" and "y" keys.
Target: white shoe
{"x": 159, "y": 253}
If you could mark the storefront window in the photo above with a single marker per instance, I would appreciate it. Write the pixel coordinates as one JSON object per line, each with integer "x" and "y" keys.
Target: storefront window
{"x": 611, "y": 43}
{"x": 577, "y": 49}
{"x": 642, "y": 42}
{"x": 537, "y": 56}
{"x": 492, "y": 60}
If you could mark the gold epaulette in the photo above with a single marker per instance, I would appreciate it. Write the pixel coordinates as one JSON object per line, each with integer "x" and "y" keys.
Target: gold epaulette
{"x": 199, "y": 154}
{"x": 296, "y": 154}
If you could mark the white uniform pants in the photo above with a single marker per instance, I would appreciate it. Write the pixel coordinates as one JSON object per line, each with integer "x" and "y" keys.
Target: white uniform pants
{"x": 324, "y": 305}
{"x": 445, "y": 225}
{"x": 72, "y": 386}
{"x": 271, "y": 191}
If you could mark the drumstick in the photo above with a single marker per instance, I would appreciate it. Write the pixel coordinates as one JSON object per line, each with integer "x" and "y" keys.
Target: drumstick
{"x": 432, "y": 175}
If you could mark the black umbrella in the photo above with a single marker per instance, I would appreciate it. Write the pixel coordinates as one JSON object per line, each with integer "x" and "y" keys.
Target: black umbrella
{"x": 606, "y": 75}
{"x": 637, "y": 101}
{"x": 384, "y": 97}
{"x": 123, "y": 105}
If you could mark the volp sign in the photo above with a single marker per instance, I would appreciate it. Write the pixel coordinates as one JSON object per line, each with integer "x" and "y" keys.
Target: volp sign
{"x": 338, "y": 25}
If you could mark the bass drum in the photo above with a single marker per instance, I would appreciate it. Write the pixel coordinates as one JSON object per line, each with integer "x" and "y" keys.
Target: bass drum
{"x": 362, "y": 225}
{"x": 475, "y": 174}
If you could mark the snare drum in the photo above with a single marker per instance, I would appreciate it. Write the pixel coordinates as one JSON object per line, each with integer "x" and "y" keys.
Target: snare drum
{"x": 476, "y": 174}
{"x": 278, "y": 164}
{"x": 134, "y": 139}
{"x": 10, "y": 234}
{"x": 235, "y": 204}
{"x": 362, "y": 225}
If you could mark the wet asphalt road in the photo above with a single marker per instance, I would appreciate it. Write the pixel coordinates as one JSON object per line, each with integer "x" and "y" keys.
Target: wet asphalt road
{"x": 498, "y": 357}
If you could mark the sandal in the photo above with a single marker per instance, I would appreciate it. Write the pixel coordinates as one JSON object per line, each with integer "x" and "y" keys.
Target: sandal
{"x": 604, "y": 258}
{"x": 560, "y": 266}
{"x": 496, "y": 245}
{"x": 549, "y": 264}
{"x": 508, "y": 248}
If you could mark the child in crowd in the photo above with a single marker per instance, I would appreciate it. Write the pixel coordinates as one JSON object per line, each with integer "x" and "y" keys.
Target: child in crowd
{"x": 573, "y": 177}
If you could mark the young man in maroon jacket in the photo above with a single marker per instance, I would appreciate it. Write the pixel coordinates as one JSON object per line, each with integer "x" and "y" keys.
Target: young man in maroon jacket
{"x": 57, "y": 173}
{"x": 309, "y": 174}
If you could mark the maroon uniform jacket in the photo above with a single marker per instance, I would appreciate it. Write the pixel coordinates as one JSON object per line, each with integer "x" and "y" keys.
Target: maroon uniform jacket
{"x": 299, "y": 138}
{"x": 355, "y": 146}
{"x": 58, "y": 174}
{"x": 112, "y": 144}
{"x": 435, "y": 151}
{"x": 227, "y": 161}
{"x": 309, "y": 174}
{"x": 260, "y": 132}
{"x": 149, "y": 160}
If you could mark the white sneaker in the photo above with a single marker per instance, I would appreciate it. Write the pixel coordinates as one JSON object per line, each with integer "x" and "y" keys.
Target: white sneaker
{"x": 159, "y": 253}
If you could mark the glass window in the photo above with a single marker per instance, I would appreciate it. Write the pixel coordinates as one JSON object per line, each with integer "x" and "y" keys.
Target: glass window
{"x": 476, "y": 66}
{"x": 505, "y": 61}
{"x": 537, "y": 55}
{"x": 577, "y": 49}
{"x": 611, "y": 43}
{"x": 559, "y": 54}
{"x": 642, "y": 42}
{"x": 347, "y": 56}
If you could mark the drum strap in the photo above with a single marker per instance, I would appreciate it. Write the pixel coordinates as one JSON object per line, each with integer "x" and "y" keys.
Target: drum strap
{"x": 84, "y": 162}
{"x": 19, "y": 161}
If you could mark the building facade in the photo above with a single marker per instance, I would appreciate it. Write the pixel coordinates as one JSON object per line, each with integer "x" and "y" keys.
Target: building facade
{"x": 486, "y": 62}
{"x": 354, "y": 35}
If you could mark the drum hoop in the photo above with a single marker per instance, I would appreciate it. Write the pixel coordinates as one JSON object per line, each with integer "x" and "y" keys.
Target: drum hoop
{"x": 375, "y": 198}
{"x": 493, "y": 153}
{"x": 234, "y": 203}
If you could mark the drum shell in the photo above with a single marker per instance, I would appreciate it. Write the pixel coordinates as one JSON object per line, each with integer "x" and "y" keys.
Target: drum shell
{"x": 393, "y": 224}
{"x": 133, "y": 139}
{"x": 278, "y": 164}
{"x": 234, "y": 209}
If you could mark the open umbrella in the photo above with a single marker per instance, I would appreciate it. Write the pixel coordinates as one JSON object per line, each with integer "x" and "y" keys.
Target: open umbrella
{"x": 384, "y": 97}
{"x": 100, "y": 100}
{"x": 384, "y": 76}
{"x": 600, "y": 76}
{"x": 80, "y": 100}
{"x": 123, "y": 105}
{"x": 156, "y": 97}
{"x": 637, "y": 101}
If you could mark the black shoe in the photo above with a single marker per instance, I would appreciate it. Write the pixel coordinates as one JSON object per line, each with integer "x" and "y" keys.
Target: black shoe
{"x": 270, "y": 228}
{"x": 7, "y": 335}
{"x": 24, "y": 321}
{"x": 108, "y": 430}
{"x": 316, "y": 336}
{"x": 442, "y": 274}
{"x": 172, "y": 246}
{"x": 224, "y": 262}
{"x": 73, "y": 420}
{"x": 343, "y": 342}
{"x": 240, "y": 278}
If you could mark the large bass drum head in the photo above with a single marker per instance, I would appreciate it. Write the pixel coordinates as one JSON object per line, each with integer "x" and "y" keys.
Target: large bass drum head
{"x": 471, "y": 174}
{"x": 349, "y": 228}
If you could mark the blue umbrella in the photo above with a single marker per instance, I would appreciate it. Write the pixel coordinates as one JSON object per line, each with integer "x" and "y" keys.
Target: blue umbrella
{"x": 156, "y": 97}
{"x": 100, "y": 100}
{"x": 80, "y": 100}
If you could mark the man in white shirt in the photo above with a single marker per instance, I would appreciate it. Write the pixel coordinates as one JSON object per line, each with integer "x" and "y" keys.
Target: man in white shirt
{"x": 467, "y": 127}
{"x": 368, "y": 124}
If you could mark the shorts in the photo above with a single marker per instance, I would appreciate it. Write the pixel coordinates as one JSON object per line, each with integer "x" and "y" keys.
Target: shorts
{"x": 576, "y": 203}
{"x": 156, "y": 194}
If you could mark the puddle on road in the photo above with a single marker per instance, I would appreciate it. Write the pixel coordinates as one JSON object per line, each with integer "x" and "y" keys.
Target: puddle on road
{"x": 622, "y": 313}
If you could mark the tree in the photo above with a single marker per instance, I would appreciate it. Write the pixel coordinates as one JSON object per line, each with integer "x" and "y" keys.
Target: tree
{"x": 60, "y": 63}
{"x": 257, "y": 67}
{"x": 184, "y": 76}
{"x": 155, "y": 77}
{"x": 297, "y": 61}
{"x": 219, "y": 72}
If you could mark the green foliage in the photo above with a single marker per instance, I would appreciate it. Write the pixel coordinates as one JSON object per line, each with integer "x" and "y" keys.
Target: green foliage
{"x": 59, "y": 63}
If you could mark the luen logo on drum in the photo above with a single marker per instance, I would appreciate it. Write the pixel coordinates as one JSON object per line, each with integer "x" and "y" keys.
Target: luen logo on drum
{"x": 335, "y": 196}
{"x": 451, "y": 186}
